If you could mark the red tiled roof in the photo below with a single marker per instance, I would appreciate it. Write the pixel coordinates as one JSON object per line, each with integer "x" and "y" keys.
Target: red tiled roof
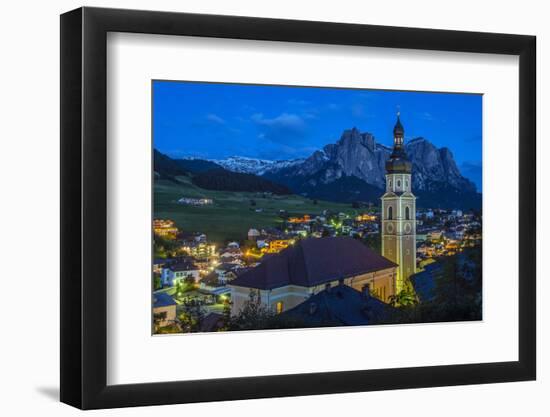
{"x": 312, "y": 262}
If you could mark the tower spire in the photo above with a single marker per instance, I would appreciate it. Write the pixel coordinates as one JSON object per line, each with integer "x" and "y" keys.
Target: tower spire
{"x": 398, "y": 161}
{"x": 398, "y": 131}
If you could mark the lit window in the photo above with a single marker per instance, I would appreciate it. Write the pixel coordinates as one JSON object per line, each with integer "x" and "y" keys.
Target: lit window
{"x": 279, "y": 307}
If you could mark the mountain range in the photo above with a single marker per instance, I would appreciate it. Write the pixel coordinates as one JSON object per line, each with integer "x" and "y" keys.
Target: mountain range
{"x": 211, "y": 176}
{"x": 436, "y": 179}
{"x": 255, "y": 166}
{"x": 353, "y": 169}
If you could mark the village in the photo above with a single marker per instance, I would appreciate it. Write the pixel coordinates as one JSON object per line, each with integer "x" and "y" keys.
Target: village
{"x": 192, "y": 275}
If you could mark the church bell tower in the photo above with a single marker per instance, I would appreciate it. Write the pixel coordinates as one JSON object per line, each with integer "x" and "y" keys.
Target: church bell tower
{"x": 399, "y": 211}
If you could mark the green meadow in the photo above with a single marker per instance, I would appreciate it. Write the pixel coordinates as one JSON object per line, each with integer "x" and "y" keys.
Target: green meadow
{"x": 231, "y": 215}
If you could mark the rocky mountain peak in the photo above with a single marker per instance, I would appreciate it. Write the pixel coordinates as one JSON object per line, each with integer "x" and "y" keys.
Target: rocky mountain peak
{"x": 357, "y": 154}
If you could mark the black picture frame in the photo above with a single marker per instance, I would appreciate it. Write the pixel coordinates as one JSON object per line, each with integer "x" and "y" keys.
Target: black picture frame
{"x": 84, "y": 207}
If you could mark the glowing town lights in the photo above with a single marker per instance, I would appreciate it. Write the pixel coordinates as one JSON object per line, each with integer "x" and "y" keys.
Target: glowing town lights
{"x": 165, "y": 228}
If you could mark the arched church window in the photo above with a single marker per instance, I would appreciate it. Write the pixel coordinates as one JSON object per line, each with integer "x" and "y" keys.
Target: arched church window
{"x": 390, "y": 183}
{"x": 406, "y": 184}
{"x": 407, "y": 213}
{"x": 398, "y": 183}
{"x": 390, "y": 213}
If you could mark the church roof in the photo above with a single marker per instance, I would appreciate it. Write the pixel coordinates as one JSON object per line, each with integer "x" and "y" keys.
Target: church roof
{"x": 398, "y": 128}
{"x": 313, "y": 262}
{"x": 398, "y": 194}
{"x": 162, "y": 299}
{"x": 398, "y": 163}
{"x": 338, "y": 306}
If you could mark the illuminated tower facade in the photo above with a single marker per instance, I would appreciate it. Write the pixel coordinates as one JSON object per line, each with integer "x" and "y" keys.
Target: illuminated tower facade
{"x": 399, "y": 211}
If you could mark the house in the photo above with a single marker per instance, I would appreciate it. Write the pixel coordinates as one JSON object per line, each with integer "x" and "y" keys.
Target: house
{"x": 278, "y": 245}
{"x": 199, "y": 249}
{"x": 213, "y": 322}
{"x": 165, "y": 228}
{"x": 158, "y": 264}
{"x": 227, "y": 277}
{"x": 338, "y": 306}
{"x": 434, "y": 235}
{"x": 262, "y": 244}
{"x": 424, "y": 282}
{"x": 195, "y": 201}
{"x": 164, "y": 310}
{"x": 231, "y": 257}
{"x": 287, "y": 279}
{"x": 226, "y": 272}
{"x": 201, "y": 238}
{"x": 253, "y": 234}
{"x": 178, "y": 271}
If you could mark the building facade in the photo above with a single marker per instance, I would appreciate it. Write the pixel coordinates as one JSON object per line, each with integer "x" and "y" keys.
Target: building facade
{"x": 164, "y": 310}
{"x": 178, "y": 272}
{"x": 380, "y": 284}
{"x": 399, "y": 211}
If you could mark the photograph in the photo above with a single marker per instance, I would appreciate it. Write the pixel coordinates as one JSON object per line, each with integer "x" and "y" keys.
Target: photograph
{"x": 284, "y": 207}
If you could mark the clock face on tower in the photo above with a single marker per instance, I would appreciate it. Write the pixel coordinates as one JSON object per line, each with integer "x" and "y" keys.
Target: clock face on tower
{"x": 407, "y": 228}
{"x": 389, "y": 228}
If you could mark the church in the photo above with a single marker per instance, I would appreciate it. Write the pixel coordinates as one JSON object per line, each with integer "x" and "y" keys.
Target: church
{"x": 292, "y": 276}
{"x": 313, "y": 266}
{"x": 398, "y": 215}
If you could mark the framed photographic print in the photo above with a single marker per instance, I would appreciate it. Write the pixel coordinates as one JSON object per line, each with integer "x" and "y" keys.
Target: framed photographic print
{"x": 299, "y": 207}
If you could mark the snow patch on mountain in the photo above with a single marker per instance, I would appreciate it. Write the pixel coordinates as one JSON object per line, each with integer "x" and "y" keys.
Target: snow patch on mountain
{"x": 255, "y": 166}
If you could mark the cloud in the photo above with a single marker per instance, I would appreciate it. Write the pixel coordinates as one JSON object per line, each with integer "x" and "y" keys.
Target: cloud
{"x": 292, "y": 121}
{"x": 424, "y": 115}
{"x": 366, "y": 95}
{"x": 360, "y": 111}
{"x": 285, "y": 128}
{"x": 312, "y": 115}
{"x": 298, "y": 102}
{"x": 214, "y": 118}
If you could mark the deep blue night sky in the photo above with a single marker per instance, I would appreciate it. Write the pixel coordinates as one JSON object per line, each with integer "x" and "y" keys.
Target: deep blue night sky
{"x": 271, "y": 122}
